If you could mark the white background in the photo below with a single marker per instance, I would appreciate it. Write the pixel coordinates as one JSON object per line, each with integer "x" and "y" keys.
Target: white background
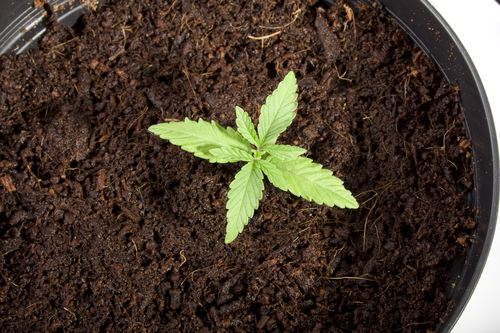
{"x": 477, "y": 24}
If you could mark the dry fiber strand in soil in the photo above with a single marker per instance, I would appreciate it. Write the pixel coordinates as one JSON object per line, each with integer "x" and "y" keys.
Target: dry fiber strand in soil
{"x": 107, "y": 228}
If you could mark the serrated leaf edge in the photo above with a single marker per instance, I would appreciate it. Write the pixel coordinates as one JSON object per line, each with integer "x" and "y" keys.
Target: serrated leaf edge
{"x": 243, "y": 199}
{"x": 245, "y": 126}
{"x": 336, "y": 193}
{"x": 285, "y": 96}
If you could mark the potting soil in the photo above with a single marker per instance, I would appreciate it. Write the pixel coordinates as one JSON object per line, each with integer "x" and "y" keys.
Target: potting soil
{"x": 104, "y": 227}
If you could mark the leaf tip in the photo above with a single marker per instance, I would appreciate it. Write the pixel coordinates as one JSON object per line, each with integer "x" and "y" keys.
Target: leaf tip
{"x": 230, "y": 236}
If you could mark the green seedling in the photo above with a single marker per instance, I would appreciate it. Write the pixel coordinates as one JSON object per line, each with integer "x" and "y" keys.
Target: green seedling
{"x": 282, "y": 164}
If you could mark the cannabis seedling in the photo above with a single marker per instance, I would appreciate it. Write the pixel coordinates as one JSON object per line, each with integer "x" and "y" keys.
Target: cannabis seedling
{"x": 282, "y": 164}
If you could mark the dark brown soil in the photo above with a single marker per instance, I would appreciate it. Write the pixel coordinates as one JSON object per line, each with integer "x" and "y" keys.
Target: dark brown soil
{"x": 107, "y": 228}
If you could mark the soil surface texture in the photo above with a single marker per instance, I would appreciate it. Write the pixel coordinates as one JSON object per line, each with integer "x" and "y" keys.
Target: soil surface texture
{"x": 105, "y": 227}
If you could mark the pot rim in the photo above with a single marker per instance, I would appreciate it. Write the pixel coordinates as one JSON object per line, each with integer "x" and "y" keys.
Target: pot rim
{"x": 438, "y": 40}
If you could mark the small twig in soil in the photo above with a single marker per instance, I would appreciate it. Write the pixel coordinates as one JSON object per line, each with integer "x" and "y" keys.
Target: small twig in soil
{"x": 38, "y": 180}
{"x": 105, "y": 137}
{"x": 342, "y": 77}
{"x": 138, "y": 118}
{"x": 382, "y": 188}
{"x": 135, "y": 246}
{"x": 444, "y": 137}
{"x": 237, "y": 28}
{"x": 114, "y": 56}
{"x": 183, "y": 258}
{"x": 48, "y": 320}
{"x": 330, "y": 127}
{"x": 294, "y": 53}
{"x": 29, "y": 306}
{"x": 11, "y": 250}
{"x": 33, "y": 60}
{"x": 186, "y": 72}
{"x": 192, "y": 275}
{"x": 347, "y": 277}
{"x": 74, "y": 315}
{"x": 365, "y": 117}
{"x": 169, "y": 9}
{"x": 303, "y": 230}
{"x": 337, "y": 251}
{"x": 379, "y": 99}
{"x": 184, "y": 21}
{"x": 265, "y": 37}
{"x": 411, "y": 324}
{"x": 291, "y": 314}
{"x": 324, "y": 307}
{"x": 122, "y": 49}
{"x": 453, "y": 164}
{"x": 295, "y": 14}
{"x": 114, "y": 25}
{"x": 390, "y": 284}
{"x": 373, "y": 196}
{"x": 202, "y": 307}
{"x": 116, "y": 220}
{"x": 59, "y": 45}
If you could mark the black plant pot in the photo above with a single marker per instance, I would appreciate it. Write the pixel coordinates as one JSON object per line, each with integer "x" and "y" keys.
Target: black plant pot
{"x": 431, "y": 32}
{"x": 21, "y": 24}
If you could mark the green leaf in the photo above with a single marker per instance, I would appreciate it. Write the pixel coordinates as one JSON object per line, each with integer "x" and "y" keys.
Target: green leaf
{"x": 278, "y": 112}
{"x": 201, "y": 137}
{"x": 243, "y": 199}
{"x": 285, "y": 152}
{"x": 309, "y": 181}
{"x": 273, "y": 174}
{"x": 245, "y": 126}
{"x": 230, "y": 154}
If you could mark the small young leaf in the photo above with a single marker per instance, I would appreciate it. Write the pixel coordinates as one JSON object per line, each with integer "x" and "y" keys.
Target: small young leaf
{"x": 245, "y": 126}
{"x": 230, "y": 154}
{"x": 201, "y": 137}
{"x": 285, "y": 152}
{"x": 282, "y": 164}
{"x": 243, "y": 199}
{"x": 273, "y": 174}
{"x": 277, "y": 114}
{"x": 309, "y": 181}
